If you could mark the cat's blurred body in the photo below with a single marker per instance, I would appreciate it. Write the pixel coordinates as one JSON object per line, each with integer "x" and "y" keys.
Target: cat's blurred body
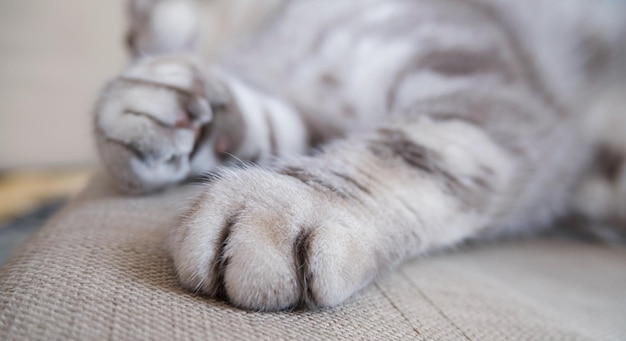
{"x": 437, "y": 121}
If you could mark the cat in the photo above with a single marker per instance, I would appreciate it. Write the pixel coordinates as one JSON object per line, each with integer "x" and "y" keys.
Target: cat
{"x": 345, "y": 137}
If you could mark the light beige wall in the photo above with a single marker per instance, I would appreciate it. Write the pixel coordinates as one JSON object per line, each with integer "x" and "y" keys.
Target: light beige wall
{"x": 54, "y": 56}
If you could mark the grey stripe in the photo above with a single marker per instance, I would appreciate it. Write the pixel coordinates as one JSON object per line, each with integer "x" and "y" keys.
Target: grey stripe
{"x": 126, "y": 145}
{"x": 394, "y": 144}
{"x": 150, "y": 118}
{"x": 218, "y": 268}
{"x": 486, "y": 111}
{"x": 451, "y": 62}
{"x": 304, "y": 276}
{"x": 350, "y": 180}
{"x": 134, "y": 150}
{"x": 609, "y": 162}
{"x": 155, "y": 84}
{"x": 312, "y": 181}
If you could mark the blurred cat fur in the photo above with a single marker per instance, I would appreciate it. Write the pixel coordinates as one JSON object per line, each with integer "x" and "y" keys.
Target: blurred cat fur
{"x": 345, "y": 137}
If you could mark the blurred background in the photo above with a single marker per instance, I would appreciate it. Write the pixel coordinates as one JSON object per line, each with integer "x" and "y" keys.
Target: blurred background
{"x": 54, "y": 58}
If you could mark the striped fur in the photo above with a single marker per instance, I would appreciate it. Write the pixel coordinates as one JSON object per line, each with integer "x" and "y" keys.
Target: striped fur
{"x": 382, "y": 130}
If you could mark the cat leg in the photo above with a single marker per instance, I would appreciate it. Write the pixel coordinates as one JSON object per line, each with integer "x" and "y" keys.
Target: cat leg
{"x": 163, "y": 27}
{"x": 166, "y": 119}
{"x": 191, "y": 26}
{"x": 148, "y": 121}
{"x": 313, "y": 230}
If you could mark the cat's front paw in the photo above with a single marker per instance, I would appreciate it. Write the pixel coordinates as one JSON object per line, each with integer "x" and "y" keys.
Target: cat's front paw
{"x": 266, "y": 241}
{"x": 148, "y": 121}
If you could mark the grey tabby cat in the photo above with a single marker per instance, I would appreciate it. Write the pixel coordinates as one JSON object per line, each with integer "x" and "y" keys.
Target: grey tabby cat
{"x": 371, "y": 131}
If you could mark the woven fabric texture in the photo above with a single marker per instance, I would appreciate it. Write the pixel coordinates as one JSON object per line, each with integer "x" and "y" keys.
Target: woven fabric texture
{"x": 99, "y": 270}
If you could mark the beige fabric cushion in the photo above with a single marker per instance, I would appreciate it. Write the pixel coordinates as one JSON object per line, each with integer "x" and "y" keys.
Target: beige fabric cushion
{"x": 99, "y": 270}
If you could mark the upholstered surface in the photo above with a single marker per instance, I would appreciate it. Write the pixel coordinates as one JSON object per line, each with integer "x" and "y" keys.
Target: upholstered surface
{"x": 99, "y": 270}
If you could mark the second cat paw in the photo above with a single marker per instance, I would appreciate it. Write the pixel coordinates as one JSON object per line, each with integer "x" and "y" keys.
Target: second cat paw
{"x": 148, "y": 121}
